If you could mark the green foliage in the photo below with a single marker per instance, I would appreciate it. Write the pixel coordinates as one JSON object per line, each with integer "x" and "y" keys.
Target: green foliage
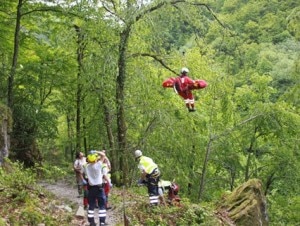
{"x": 50, "y": 172}
{"x": 293, "y": 22}
{"x": 197, "y": 215}
{"x": 21, "y": 196}
{"x": 283, "y": 211}
{"x": 20, "y": 177}
{"x": 250, "y": 109}
{"x": 30, "y": 217}
{"x": 184, "y": 214}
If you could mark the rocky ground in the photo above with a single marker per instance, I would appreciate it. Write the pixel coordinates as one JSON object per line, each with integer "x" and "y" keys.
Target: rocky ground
{"x": 68, "y": 192}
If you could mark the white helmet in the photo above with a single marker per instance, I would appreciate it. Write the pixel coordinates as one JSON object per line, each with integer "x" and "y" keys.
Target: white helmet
{"x": 184, "y": 70}
{"x": 138, "y": 153}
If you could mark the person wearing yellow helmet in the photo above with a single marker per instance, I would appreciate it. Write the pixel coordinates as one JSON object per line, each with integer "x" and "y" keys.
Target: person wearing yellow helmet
{"x": 92, "y": 158}
{"x": 94, "y": 173}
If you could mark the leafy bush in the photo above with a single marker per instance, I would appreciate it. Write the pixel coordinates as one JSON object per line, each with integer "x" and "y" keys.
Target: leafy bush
{"x": 50, "y": 172}
{"x": 29, "y": 216}
{"x": 23, "y": 202}
{"x": 19, "y": 178}
{"x": 284, "y": 210}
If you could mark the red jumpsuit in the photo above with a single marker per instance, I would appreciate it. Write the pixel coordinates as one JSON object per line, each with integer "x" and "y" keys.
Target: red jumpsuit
{"x": 182, "y": 86}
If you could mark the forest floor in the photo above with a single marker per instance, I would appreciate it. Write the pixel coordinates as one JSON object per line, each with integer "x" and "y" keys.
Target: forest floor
{"x": 68, "y": 192}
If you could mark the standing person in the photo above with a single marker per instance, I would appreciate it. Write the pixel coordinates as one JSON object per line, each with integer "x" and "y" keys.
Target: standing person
{"x": 150, "y": 174}
{"x": 93, "y": 170}
{"x": 182, "y": 87}
{"x": 85, "y": 189}
{"x": 107, "y": 183}
{"x": 79, "y": 162}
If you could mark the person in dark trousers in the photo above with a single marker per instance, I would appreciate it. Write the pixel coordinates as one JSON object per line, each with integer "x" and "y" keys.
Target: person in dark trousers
{"x": 150, "y": 174}
{"x": 79, "y": 162}
{"x": 107, "y": 185}
{"x": 93, "y": 170}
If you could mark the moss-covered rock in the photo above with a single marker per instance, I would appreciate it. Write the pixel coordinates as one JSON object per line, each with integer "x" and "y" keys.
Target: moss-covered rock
{"x": 245, "y": 206}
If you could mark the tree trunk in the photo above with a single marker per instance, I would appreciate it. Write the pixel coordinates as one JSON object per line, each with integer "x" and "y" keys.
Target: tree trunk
{"x": 15, "y": 57}
{"x": 5, "y": 119}
{"x": 232, "y": 178}
{"x": 70, "y": 137}
{"x": 247, "y": 168}
{"x": 85, "y": 144}
{"x": 249, "y": 151}
{"x": 269, "y": 182}
{"x": 10, "y": 82}
{"x": 80, "y": 55}
{"x": 120, "y": 82}
{"x": 110, "y": 136}
{"x": 205, "y": 163}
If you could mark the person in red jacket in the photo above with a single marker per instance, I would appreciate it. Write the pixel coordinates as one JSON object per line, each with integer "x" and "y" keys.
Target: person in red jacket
{"x": 182, "y": 86}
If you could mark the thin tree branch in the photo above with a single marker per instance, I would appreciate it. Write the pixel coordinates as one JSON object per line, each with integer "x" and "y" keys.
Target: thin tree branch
{"x": 155, "y": 7}
{"x": 174, "y": 2}
{"x": 215, "y": 137}
{"x": 146, "y": 132}
{"x": 51, "y": 9}
{"x": 111, "y": 12}
{"x": 157, "y": 59}
{"x": 211, "y": 11}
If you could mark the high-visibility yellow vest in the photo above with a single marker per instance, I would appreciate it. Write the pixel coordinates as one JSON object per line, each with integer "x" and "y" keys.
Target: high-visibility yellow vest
{"x": 148, "y": 164}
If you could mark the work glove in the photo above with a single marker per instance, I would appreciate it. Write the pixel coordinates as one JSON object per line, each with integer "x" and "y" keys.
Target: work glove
{"x": 84, "y": 182}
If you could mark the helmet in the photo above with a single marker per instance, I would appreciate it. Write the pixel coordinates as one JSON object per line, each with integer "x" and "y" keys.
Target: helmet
{"x": 175, "y": 188}
{"x": 138, "y": 153}
{"x": 184, "y": 70}
{"x": 91, "y": 158}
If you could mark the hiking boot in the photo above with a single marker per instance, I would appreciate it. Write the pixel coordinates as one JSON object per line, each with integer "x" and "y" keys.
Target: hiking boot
{"x": 93, "y": 224}
{"x": 192, "y": 109}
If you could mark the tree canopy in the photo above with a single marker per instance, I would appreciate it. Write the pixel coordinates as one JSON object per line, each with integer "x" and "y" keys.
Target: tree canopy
{"x": 87, "y": 75}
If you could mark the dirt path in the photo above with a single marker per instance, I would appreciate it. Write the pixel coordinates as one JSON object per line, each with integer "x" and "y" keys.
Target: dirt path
{"x": 66, "y": 191}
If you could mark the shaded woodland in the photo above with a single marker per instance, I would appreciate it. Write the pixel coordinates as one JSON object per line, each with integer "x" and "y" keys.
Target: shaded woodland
{"x": 85, "y": 75}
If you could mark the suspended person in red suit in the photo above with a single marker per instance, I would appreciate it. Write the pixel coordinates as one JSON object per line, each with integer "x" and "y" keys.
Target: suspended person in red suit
{"x": 182, "y": 86}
